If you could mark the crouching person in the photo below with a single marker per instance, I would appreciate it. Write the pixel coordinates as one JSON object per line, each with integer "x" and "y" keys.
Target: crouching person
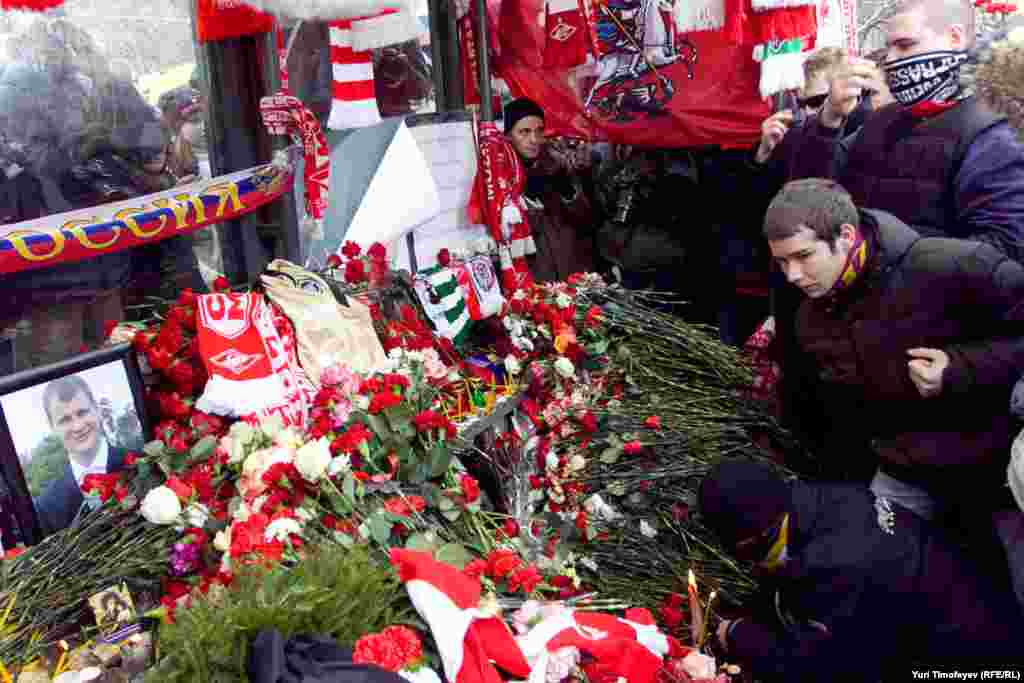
{"x": 863, "y": 589}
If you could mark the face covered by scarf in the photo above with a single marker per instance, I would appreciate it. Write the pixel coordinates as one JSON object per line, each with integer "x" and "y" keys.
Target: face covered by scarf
{"x": 928, "y": 77}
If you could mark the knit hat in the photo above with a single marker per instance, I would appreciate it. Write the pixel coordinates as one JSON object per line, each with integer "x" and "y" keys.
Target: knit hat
{"x": 741, "y": 499}
{"x": 518, "y": 110}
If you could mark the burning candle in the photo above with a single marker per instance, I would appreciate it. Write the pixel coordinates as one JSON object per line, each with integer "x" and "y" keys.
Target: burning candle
{"x": 62, "y": 662}
{"x": 696, "y": 611}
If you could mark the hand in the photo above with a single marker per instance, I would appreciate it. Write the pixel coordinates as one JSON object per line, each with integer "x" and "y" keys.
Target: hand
{"x": 773, "y": 129}
{"x": 185, "y": 180}
{"x": 926, "y": 368}
{"x": 847, "y": 85}
{"x": 723, "y": 631}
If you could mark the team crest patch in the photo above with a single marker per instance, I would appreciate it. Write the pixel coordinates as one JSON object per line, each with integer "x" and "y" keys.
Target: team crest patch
{"x": 886, "y": 517}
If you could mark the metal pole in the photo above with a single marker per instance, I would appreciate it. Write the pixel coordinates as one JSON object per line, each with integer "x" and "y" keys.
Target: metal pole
{"x": 436, "y": 17}
{"x": 486, "y": 102}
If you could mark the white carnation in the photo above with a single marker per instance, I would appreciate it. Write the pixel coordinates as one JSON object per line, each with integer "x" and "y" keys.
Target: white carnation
{"x": 512, "y": 365}
{"x": 563, "y": 300}
{"x": 564, "y": 367}
{"x": 197, "y": 515}
{"x": 281, "y": 529}
{"x": 647, "y": 530}
{"x": 339, "y": 464}
{"x": 312, "y": 459}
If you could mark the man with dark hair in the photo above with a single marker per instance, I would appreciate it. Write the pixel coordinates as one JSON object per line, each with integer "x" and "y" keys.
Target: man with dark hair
{"x": 74, "y": 415}
{"x": 907, "y": 349}
{"x": 560, "y": 213}
{"x": 858, "y": 588}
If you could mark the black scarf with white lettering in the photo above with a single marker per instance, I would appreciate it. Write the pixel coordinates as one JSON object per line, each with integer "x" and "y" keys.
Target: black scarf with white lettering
{"x": 932, "y": 76}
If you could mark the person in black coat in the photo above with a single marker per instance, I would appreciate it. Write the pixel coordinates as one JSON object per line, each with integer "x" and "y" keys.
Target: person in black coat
{"x": 74, "y": 415}
{"x": 863, "y": 588}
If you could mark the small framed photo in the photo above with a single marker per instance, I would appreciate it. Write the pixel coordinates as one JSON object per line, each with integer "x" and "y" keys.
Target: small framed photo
{"x": 60, "y": 423}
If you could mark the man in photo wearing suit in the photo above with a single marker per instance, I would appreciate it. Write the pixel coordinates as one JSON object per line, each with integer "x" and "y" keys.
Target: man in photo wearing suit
{"x": 74, "y": 415}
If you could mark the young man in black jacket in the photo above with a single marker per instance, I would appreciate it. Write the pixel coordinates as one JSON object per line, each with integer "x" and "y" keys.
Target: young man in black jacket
{"x": 860, "y": 589}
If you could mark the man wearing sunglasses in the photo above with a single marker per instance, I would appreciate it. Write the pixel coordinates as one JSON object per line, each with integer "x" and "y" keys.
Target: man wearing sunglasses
{"x": 855, "y": 587}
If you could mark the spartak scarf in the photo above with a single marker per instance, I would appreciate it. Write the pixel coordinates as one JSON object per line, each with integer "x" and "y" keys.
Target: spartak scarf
{"x": 856, "y": 263}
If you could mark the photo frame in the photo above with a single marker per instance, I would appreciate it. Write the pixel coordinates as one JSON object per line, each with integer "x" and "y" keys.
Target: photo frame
{"x": 57, "y": 423}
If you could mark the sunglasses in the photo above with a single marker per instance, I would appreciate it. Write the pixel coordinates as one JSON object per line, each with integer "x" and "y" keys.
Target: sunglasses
{"x": 814, "y": 101}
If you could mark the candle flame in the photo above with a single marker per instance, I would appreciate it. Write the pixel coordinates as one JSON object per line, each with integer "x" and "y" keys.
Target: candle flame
{"x": 691, "y": 579}
{"x": 712, "y": 596}
{"x": 63, "y": 644}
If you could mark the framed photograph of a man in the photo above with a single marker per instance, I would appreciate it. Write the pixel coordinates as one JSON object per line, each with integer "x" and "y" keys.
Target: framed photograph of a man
{"x": 62, "y": 422}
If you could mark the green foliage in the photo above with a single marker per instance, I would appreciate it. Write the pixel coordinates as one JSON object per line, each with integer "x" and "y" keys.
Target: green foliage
{"x": 47, "y": 463}
{"x": 341, "y": 593}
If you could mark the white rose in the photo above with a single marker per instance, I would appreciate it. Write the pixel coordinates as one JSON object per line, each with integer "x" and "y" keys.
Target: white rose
{"x": 512, "y": 365}
{"x": 339, "y": 464}
{"x": 647, "y": 530}
{"x": 271, "y": 426}
{"x": 288, "y": 439}
{"x": 312, "y": 459}
{"x": 161, "y": 506}
{"x": 563, "y": 300}
{"x": 281, "y": 529}
{"x": 564, "y": 367}
{"x": 222, "y": 540}
{"x": 197, "y": 515}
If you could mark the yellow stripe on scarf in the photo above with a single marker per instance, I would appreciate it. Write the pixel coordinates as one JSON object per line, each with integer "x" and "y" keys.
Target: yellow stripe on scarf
{"x": 776, "y": 555}
{"x": 855, "y": 265}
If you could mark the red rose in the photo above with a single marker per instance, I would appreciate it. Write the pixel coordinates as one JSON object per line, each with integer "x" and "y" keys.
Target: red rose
{"x": 589, "y": 422}
{"x": 108, "y": 328}
{"x": 351, "y": 249}
{"x": 333, "y": 261}
{"x": 355, "y": 272}
{"x": 444, "y": 258}
{"x": 378, "y": 252}
{"x": 653, "y": 422}
{"x": 501, "y": 563}
{"x": 221, "y": 284}
{"x": 632, "y": 448}
{"x": 511, "y": 528}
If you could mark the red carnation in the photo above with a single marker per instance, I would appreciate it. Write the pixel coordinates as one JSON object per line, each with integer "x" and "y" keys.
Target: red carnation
{"x": 355, "y": 272}
{"x": 131, "y": 459}
{"x": 180, "y": 488}
{"x": 108, "y": 328}
{"x": 377, "y": 252}
{"x": 670, "y": 617}
{"x": 632, "y": 448}
{"x": 333, "y": 261}
{"x": 444, "y": 258}
{"x": 407, "y": 642}
{"x": 405, "y": 506}
{"x": 351, "y": 249}
{"x": 470, "y": 488}
{"x": 379, "y": 650}
{"x": 593, "y": 317}
{"x": 501, "y": 563}
{"x": 221, "y": 284}
{"x": 427, "y": 420}
{"x": 187, "y": 297}
{"x": 103, "y": 484}
{"x": 527, "y": 579}
{"x": 653, "y": 422}
{"x": 382, "y": 401}
{"x": 589, "y": 422}
{"x": 475, "y": 569}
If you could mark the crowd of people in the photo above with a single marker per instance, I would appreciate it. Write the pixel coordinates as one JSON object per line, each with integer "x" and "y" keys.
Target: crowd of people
{"x": 74, "y": 134}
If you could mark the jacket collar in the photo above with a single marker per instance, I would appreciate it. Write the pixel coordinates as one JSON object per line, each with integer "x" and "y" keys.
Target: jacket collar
{"x": 892, "y": 239}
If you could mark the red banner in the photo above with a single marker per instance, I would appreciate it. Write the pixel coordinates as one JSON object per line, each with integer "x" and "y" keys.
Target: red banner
{"x": 651, "y": 86}
{"x": 84, "y": 234}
